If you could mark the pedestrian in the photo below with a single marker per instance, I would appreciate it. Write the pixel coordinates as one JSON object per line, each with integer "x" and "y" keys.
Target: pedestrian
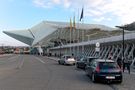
{"x": 119, "y": 62}
{"x": 110, "y": 56}
{"x": 126, "y": 64}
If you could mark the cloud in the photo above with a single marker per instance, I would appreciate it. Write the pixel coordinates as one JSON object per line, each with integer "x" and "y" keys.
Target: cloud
{"x": 123, "y": 9}
{"x": 99, "y": 19}
{"x": 99, "y": 10}
{"x": 56, "y": 1}
{"x": 42, "y": 3}
{"x": 51, "y": 3}
{"x": 66, "y": 3}
{"x": 11, "y": 0}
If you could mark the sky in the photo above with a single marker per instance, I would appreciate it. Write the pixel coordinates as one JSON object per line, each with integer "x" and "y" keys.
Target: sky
{"x": 24, "y": 14}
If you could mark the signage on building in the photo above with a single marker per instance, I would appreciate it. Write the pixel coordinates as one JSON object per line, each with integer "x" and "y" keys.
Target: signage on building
{"x": 97, "y": 49}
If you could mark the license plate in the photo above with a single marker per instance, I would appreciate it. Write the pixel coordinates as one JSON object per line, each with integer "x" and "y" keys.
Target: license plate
{"x": 110, "y": 77}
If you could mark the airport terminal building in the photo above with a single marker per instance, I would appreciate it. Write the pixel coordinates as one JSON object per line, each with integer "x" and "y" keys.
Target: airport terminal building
{"x": 59, "y": 38}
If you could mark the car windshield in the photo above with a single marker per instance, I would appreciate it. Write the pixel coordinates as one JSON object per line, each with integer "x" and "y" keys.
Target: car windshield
{"x": 107, "y": 65}
{"x": 69, "y": 57}
{"x": 90, "y": 59}
{"x": 83, "y": 59}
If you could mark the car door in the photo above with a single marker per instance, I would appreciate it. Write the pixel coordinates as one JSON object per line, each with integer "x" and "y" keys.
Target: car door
{"x": 92, "y": 67}
{"x": 81, "y": 63}
{"x": 87, "y": 68}
{"x": 62, "y": 60}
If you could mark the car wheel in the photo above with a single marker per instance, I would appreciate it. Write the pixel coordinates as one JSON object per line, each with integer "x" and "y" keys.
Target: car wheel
{"x": 83, "y": 68}
{"x": 77, "y": 66}
{"x": 64, "y": 63}
{"x": 86, "y": 73}
{"x": 59, "y": 62}
{"x": 93, "y": 78}
{"x": 120, "y": 81}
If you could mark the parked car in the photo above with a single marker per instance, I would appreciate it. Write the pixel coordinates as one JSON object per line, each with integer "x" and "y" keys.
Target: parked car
{"x": 67, "y": 60}
{"x": 81, "y": 63}
{"x": 104, "y": 70}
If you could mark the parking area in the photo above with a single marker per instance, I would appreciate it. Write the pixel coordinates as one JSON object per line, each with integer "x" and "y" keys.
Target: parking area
{"x": 127, "y": 84}
{"x": 41, "y": 73}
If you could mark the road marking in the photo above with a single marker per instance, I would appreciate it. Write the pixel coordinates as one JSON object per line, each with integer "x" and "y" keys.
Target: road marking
{"x": 12, "y": 59}
{"x": 55, "y": 59}
{"x": 21, "y": 63}
{"x": 40, "y": 60}
{"x": 133, "y": 73}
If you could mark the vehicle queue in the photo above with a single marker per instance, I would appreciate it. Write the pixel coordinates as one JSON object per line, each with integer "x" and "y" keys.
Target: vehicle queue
{"x": 98, "y": 70}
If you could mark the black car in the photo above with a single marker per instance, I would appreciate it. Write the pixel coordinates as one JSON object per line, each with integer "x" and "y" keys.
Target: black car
{"x": 81, "y": 63}
{"x": 104, "y": 70}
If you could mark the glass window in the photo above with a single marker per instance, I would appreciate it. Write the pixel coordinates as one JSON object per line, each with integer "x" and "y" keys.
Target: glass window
{"x": 90, "y": 59}
{"x": 107, "y": 65}
{"x": 85, "y": 59}
{"x": 68, "y": 57}
{"x": 93, "y": 64}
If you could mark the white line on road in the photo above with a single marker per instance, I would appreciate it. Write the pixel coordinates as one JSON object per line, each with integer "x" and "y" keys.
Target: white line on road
{"x": 39, "y": 60}
{"x": 13, "y": 59}
{"x": 21, "y": 64}
{"x": 133, "y": 73}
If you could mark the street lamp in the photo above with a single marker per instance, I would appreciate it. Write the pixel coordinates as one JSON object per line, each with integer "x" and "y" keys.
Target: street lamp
{"x": 123, "y": 28}
{"x": 129, "y": 27}
{"x": 59, "y": 43}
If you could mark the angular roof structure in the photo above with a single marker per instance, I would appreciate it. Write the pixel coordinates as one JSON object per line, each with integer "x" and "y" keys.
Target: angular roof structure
{"x": 48, "y": 32}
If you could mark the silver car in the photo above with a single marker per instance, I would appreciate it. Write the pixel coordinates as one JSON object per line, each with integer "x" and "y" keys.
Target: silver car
{"x": 67, "y": 60}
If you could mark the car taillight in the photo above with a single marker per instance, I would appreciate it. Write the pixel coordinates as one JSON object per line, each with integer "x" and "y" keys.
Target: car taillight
{"x": 97, "y": 69}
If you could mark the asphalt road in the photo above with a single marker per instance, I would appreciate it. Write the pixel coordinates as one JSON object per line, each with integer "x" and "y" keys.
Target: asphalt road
{"x": 27, "y": 72}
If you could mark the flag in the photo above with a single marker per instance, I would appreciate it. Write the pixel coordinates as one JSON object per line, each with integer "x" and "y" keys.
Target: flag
{"x": 70, "y": 24}
{"x": 81, "y": 15}
{"x": 74, "y": 23}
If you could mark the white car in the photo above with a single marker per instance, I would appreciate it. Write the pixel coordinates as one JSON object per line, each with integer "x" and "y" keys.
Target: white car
{"x": 67, "y": 60}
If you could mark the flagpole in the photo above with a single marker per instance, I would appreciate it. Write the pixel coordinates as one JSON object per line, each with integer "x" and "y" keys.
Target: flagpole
{"x": 74, "y": 32}
{"x": 70, "y": 33}
{"x": 78, "y": 32}
{"x": 82, "y": 37}
{"x": 82, "y": 33}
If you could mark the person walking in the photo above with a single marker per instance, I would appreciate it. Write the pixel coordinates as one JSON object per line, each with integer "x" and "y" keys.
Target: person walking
{"x": 126, "y": 64}
{"x": 110, "y": 56}
{"x": 119, "y": 62}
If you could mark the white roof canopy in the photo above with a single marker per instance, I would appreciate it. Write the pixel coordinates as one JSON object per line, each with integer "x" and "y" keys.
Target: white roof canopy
{"x": 47, "y": 32}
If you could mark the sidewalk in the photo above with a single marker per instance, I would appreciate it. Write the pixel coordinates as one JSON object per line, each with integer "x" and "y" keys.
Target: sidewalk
{"x": 4, "y": 55}
{"x": 133, "y": 70}
{"x": 126, "y": 71}
{"x": 54, "y": 58}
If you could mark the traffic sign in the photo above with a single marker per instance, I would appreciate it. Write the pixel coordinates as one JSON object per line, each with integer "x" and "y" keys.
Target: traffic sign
{"x": 97, "y": 49}
{"x": 97, "y": 44}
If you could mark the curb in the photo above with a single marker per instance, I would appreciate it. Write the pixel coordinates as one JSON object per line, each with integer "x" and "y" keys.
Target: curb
{"x": 55, "y": 59}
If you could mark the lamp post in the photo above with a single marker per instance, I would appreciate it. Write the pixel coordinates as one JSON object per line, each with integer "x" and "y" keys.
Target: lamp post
{"x": 129, "y": 27}
{"x": 60, "y": 48}
{"x": 123, "y": 28}
{"x": 59, "y": 43}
